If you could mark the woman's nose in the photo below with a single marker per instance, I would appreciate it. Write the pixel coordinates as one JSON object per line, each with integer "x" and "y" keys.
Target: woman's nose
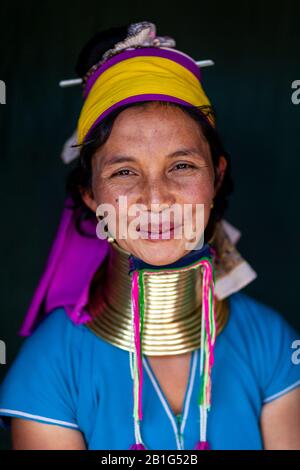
{"x": 157, "y": 191}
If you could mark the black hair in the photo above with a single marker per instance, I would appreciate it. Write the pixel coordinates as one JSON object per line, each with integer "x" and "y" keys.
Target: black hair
{"x": 93, "y": 50}
{"x": 80, "y": 178}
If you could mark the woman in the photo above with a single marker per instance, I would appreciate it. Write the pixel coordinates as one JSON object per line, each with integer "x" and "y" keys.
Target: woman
{"x": 208, "y": 366}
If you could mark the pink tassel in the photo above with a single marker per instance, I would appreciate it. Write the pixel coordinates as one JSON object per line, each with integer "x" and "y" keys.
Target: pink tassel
{"x": 202, "y": 445}
{"x": 137, "y": 447}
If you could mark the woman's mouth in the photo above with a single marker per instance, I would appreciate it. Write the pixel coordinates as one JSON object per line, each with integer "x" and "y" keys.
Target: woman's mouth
{"x": 158, "y": 232}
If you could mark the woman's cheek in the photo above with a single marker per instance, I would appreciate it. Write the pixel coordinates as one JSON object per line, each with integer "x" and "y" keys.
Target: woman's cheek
{"x": 199, "y": 194}
{"x": 105, "y": 192}
{"x": 196, "y": 192}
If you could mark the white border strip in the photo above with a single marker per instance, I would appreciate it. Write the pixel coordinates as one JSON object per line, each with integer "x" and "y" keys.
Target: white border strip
{"x": 37, "y": 417}
{"x": 276, "y": 395}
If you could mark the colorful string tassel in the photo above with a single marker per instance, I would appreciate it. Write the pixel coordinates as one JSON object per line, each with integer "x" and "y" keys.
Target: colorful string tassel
{"x": 137, "y": 447}
{"x": 137, "y": 302}
{"x": 208, "y": 337}
{"x": 202, "y": 445}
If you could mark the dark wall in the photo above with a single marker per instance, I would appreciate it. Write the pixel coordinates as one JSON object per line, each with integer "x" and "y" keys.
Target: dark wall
{"x": 256, "y": 49}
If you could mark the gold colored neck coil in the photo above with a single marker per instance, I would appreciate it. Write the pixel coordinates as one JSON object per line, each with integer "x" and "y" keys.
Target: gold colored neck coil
{"x": 172, "y": 315}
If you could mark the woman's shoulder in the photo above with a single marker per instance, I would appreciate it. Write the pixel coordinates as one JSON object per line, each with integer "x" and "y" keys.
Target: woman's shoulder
{"x": 243, "y": 302}
{"x": 47, "y": 367}
{"x": 256, "y": 323}
{"x": 54, "y": 348}
{"x": 249, "y": 310}
{"x": 267, "y": 341}
{"x": 56, "y": 320}
{"x": 56, "y": 330}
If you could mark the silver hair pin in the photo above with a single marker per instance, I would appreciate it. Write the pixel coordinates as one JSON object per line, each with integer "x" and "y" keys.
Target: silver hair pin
{"x": 205, "y": 63}
{"x": 70, "y": 82}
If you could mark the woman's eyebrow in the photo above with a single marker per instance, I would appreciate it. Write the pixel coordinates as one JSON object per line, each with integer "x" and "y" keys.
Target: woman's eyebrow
{"x": 118, "y": 159}
{"x": 184, "y": 151}
{"x": 127, "y": 158}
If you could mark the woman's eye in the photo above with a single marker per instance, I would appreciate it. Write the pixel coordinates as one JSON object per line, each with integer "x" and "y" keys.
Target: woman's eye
{"x": 183, "y": 166}
{"x": 124, "y": 172}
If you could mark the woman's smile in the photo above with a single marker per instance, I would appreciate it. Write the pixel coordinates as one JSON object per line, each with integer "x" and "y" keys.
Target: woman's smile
{"x": 160, "y": 232}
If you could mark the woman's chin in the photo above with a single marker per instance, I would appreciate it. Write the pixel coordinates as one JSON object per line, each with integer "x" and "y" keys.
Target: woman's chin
{"x": 158, "y": 252}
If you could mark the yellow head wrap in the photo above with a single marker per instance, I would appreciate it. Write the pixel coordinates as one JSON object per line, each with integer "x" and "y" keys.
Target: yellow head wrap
{"x": 142, "y": 74}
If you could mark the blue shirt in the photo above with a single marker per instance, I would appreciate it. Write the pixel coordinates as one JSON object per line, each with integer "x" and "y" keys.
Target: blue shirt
{"x": 66, "y": 375}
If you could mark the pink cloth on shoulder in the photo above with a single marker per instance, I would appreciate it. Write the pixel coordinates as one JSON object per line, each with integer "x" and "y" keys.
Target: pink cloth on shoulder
{"x": 70, "y": 267}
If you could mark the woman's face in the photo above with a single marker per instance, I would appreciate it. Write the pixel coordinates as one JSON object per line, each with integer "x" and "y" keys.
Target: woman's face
{"x": 156, "y": 158}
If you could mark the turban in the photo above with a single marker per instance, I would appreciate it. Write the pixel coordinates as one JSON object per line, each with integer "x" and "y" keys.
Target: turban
{"x": 140, "y": 74}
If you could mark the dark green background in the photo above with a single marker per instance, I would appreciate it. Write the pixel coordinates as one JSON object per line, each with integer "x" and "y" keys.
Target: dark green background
{"x": 256, "y": 48}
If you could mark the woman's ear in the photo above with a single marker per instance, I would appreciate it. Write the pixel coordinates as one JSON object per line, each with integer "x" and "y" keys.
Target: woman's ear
{"x": 220, "y": 173}
{"x": 88, "y": 199}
